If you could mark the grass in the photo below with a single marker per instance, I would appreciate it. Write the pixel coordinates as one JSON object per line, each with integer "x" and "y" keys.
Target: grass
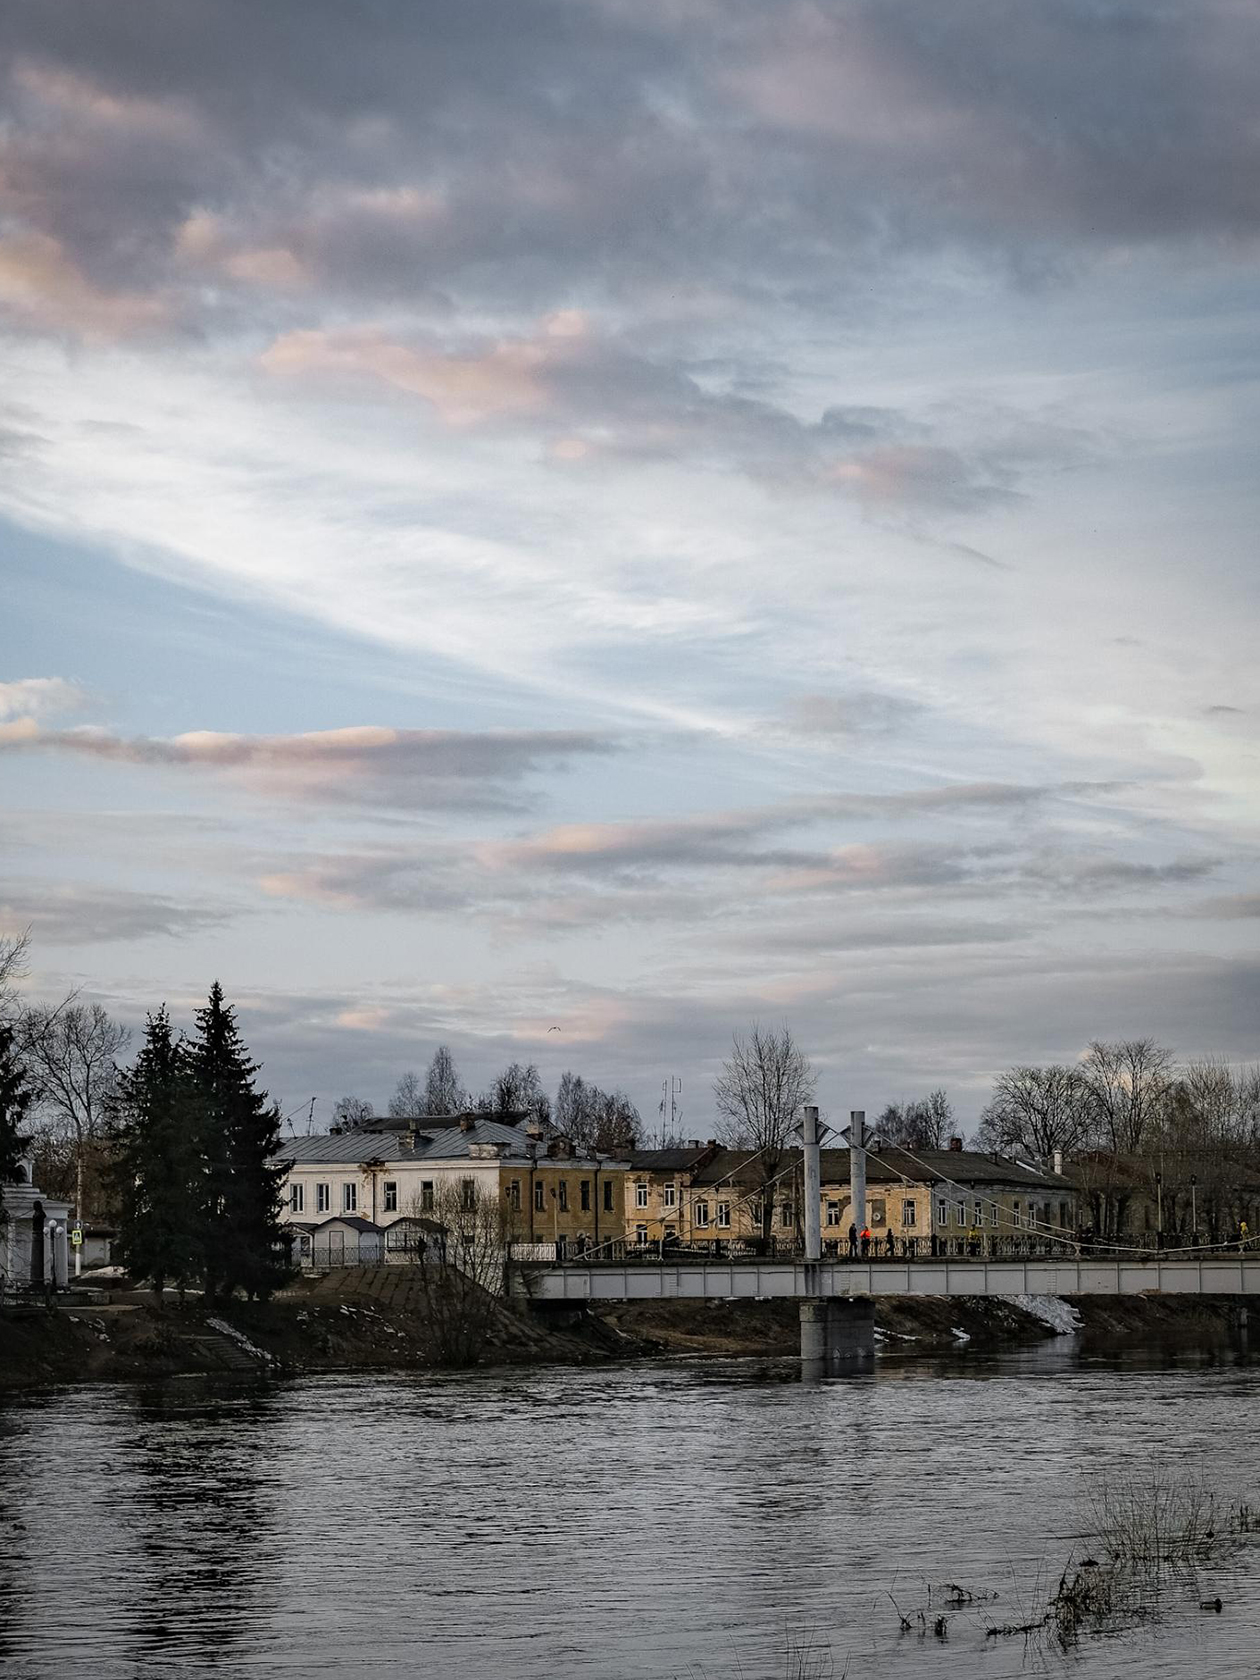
{"x": 806, "y": 1656}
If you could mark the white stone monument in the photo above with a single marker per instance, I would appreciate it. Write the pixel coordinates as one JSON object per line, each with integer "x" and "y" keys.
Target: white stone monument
{"x": 34, "y": 1235}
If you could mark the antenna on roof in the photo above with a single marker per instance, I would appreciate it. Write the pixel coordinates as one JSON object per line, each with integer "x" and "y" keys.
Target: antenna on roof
{"x": 671, "y": 1090}
{"x": 310, "y": 1117}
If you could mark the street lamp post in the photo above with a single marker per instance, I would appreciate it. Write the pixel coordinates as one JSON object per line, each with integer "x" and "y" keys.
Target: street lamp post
{"x": 1194, "y": 1209}
{"x": 1159, "y": 1210}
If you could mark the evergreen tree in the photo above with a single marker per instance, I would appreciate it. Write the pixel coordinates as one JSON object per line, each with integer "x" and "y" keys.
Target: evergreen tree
{"x": 15, "y": 1099}
{"x": 243, "y": 1231}
{"x": 444, "y": 1092}
{"x": 160, "y": 1169}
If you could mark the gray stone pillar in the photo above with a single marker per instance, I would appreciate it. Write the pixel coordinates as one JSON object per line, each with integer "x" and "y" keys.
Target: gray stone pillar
{"x": 837, "y": 1335}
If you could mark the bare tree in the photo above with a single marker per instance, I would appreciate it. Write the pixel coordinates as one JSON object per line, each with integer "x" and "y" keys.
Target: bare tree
{"x": 70, "y": 1052}
{"x": 760, "y": 1093}
{"x": 14, "y": 950}
{"x": 1036, "y": 1110}
{"x": 924, "y": 1124}
{"x": 443, "y": 1091}
{"x": 408, "y": 1098}
{"x": 461, "y": 1272}
{"x": 1205, "y": 1144}
{"x": 1129, "y": 1086}
{"x": 352, "y": 1111}
{"x": 516, "y": 1089}
{"x": 604, "y": 1121}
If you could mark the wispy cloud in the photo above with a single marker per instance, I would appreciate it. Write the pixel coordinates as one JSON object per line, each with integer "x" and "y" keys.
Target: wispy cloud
{"x": 63, "y": 914}
{"x": 357, "y": 766}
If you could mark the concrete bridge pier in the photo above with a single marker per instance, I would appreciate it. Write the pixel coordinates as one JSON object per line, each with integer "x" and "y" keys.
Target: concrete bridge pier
{"x": 837, "y": 1335}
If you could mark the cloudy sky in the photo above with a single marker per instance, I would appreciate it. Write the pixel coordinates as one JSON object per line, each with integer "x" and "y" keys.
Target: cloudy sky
{"x": 631, "y": 517}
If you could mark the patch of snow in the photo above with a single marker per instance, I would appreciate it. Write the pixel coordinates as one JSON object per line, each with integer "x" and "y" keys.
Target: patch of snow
{"x": 1058, "y": 1315}
{"x": 239, "y": 1337}
{"x": 960, "y": 1335}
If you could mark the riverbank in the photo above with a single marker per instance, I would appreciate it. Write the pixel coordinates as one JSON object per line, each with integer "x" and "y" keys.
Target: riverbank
{"x": 373, "y": 1319}
{"x": 771, "y": 1329}
{"x": 366, "y": 1319}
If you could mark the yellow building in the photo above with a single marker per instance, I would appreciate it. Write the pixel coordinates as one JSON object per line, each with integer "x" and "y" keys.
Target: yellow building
{"x": 930, "y": 1201}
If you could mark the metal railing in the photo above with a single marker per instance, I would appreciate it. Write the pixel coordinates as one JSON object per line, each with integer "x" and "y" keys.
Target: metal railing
{"x": 338, "y": 1252}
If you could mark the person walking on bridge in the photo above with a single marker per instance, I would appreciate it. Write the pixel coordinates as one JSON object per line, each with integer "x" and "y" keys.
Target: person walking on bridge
{"x": 866, "y": 1241}
{"x": 852, "y": 1242}
{"x": 890, "y": 1243}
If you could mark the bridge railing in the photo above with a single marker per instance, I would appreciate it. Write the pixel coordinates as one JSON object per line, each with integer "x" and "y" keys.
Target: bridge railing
{"x": 1033, "y": 1246}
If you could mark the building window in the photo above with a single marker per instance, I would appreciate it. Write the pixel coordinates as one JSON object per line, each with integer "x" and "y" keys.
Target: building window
{"x": 757, "y": 1213}
{"x": 701, "y": 1214}
{"x": 787, "y": 1215}
{"x": 833, "y": 1213}
{"x": 908, "y": 1216}
{"x": 724, "y": 1215}
{"x": 669, "y": 1195}
{"x": 514, "y": 1195}
{"x": 426, "y": 1195}
{"x": 1015, "y": 1212}
{"x": 562, "y": 1192}
{"x": 640, "y": 1235}
{"x": 608, "y": 1195}
{"x": 977, "y": 1214}
{"x": 323, "y": 1198}
{"x": 640, "y": 1194}
{"x": 391, "y": 1196}
{"x": 879, "y": 1211}
{"x": 540, "y": 1196}
{"x": 585, "y": 1190}
{"x": 297, "y": 1198}
{"x": 942, "y": 1213}
{"x": 349, "y": 1197}
{"x": 994, "y": 1211}
{"x": 467, "y": 1194}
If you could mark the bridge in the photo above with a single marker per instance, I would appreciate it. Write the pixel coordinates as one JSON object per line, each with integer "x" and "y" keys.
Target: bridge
{"x": 805, "y": 1280}
{"x": 837, "y": 1296}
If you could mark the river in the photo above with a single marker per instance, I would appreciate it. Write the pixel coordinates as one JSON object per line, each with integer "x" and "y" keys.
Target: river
{"x": 654, "y": 1520}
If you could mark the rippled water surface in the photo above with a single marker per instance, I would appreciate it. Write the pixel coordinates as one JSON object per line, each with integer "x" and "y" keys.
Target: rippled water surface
{"x": 647, "y": 1520}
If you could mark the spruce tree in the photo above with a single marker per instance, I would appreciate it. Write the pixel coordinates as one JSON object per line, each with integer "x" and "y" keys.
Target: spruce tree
{"x": 160, "y": 1168}
{"x": 15, "y": 1099}
{"x": 243, "y": 1232}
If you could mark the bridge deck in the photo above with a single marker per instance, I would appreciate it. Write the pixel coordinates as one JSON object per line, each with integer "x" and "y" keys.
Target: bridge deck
{"x": 1215, "y": 1275}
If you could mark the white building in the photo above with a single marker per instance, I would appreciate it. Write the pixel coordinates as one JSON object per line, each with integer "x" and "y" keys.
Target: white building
{"x": 390, "y": 1171}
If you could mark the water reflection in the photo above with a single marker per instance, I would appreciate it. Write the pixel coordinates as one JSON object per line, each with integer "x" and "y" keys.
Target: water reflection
{"x": 650, "y": 1520}
{"x": 202, "y": 1472}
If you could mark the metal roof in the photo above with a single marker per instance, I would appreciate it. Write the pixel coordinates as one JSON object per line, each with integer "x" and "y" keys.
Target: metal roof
{"x": 452, "y": 1143}
{"x": 675, "y": 1159}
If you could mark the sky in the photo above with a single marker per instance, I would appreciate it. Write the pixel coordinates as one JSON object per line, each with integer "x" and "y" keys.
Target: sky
{"x": 564, "y": 528}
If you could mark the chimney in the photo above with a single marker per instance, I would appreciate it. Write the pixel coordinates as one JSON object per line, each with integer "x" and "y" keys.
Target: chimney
{"x": 1058, "y": 1161}
{"x": 467, "y": 1122}
{"x": 534, "y": 1129}
{"x": 693, "y": 1143}
{"x": 955, "y": 1143}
